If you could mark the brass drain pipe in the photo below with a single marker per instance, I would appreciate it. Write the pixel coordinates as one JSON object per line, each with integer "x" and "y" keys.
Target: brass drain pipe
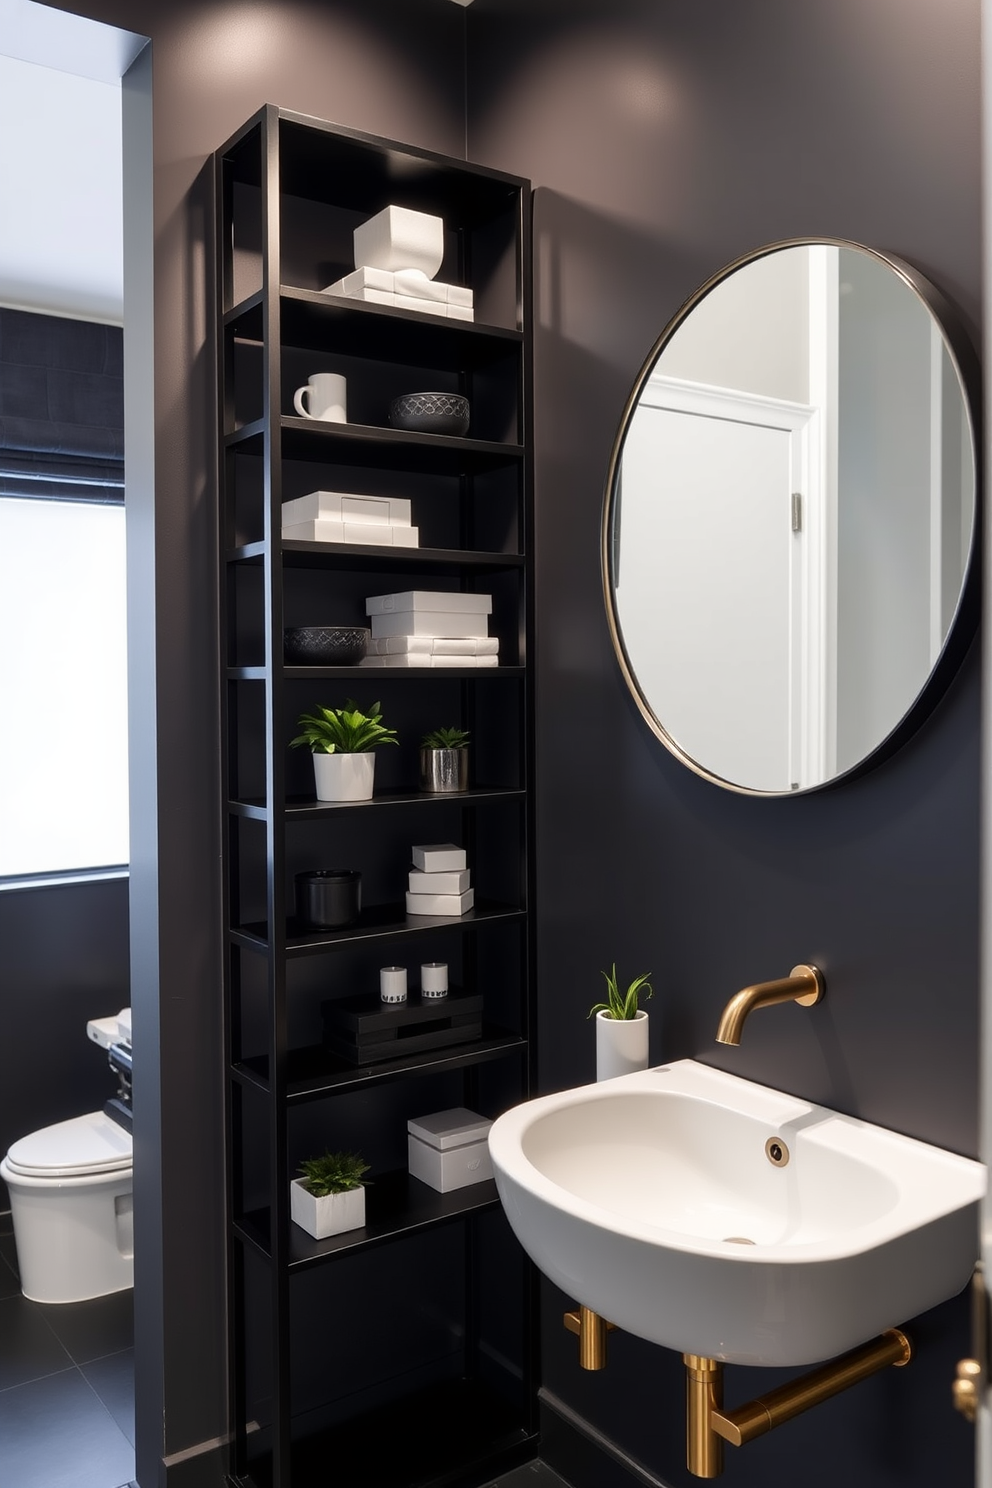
{"x": 708, "y": 1425}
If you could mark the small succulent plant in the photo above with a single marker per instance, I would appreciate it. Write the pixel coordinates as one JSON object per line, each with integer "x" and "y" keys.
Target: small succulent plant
{"x": 334, "y": 1172}
{"x": 622, "y": 1004}
{"x": 446, "y": 738}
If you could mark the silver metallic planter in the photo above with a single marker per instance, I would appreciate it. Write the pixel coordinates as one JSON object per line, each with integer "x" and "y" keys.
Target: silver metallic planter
{"x": 444, "y": 771}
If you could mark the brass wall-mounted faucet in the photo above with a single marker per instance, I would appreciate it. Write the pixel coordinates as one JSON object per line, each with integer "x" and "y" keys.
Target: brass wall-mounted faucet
{"x": 804, "y": 985}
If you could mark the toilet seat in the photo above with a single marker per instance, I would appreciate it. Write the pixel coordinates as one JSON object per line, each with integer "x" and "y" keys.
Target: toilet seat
{"x": 85, "y": 1146}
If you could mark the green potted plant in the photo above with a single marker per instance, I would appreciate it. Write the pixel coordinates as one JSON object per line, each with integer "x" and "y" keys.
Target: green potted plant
{"x": 621, "y": 1026}
{"x": 444, "y": 760}
{"x": 329, "y": 1195}
{"x": 342, "y": 741}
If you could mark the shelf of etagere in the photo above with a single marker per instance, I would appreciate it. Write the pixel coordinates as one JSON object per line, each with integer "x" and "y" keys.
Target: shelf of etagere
{"x": 386, "y": 674}
{"x": 314, "y": 1072}
{"x": 308, "y": 808}
{"x": 380, "y": 922}
{"x": 313, "y": 320}
{"x": 395, "y": 1205}
{"x": 356, "y": 556}
{"x": 377, "y": 446}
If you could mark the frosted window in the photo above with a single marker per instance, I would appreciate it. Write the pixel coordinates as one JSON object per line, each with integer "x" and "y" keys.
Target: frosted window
{"x": 63, "y": 687}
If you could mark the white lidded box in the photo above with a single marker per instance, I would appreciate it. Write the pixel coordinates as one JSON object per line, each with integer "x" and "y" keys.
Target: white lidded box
{"x": 400, "y": 238}
{"x": 439, "y": 857}
{"x": 345, "y": 506}
{"x": 428, "y": 623}
{"x": 437, "y": 601}
{"x": 449, "y": 1149}
{"x": 440, "y": 904}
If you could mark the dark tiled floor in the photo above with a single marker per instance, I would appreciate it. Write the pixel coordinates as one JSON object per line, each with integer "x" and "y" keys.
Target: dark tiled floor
{"x": 66, "y": 1387}
{"x": 531, "y": 1475}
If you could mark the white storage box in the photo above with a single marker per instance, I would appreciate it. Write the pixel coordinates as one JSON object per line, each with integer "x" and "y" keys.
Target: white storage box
{"x": 400, "y": 238}
{"x": 440, "y": 904}
{"x": 368, "y": 534}
{"x": 449, "y": 1149}
{"x": 345, "y": 506}
{"x": 437, "y": 601}
{"x": 440, "y": 857}
{"x": 429, "y": 623}
{"x": 436, "y": 646}
{"x": 439, "y": 883}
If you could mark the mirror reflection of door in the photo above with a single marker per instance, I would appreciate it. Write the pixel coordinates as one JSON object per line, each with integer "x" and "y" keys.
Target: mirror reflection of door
{"x": 792, "y": 517}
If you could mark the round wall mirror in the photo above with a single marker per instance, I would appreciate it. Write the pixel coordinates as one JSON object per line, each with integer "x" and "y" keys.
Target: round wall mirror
{"x": 791, "y": 515}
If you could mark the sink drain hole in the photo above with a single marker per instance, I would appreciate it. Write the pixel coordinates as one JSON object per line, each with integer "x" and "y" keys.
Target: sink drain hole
{"x": 776, "y": 1152}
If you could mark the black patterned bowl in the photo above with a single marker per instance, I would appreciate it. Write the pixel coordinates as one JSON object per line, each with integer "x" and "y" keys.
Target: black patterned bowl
{"x": 325, "y": 645}
{"x": 430, "y": 413}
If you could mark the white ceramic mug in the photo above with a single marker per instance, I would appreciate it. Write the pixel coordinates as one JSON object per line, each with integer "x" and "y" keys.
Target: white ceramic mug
{"x": 327, "y": 396}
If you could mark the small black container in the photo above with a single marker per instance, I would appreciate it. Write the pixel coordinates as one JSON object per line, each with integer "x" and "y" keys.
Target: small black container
{"x": 329, "y": 898}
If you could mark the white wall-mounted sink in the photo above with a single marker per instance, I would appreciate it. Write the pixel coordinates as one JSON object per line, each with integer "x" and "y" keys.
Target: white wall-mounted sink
{"x": 651, "y": 1199}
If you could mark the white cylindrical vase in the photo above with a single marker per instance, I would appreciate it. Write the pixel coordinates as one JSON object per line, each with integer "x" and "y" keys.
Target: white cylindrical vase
{"x": 344, "y": 777}
{"x": 621, "y": 1045}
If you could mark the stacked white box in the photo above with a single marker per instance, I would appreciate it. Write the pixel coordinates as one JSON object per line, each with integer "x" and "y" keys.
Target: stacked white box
{"x": 439, "y": 881}
{"x": 345, "y": 517}
{"x": 425, "y": 627}
{"x": 397, "y": 254}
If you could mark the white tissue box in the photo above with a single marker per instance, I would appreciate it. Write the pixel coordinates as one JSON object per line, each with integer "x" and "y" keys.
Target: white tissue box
{"x": 429, "y": 599}
{"x": 449, "y": 1149}
{"x": 400, "y": 238}
{"x": 440, "y": 857}
{"x": 455, "y": 882}
{"x": 346, "y": 507}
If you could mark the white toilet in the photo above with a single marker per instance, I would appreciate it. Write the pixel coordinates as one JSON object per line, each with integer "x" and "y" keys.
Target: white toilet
{"x": 71, "y": 1196}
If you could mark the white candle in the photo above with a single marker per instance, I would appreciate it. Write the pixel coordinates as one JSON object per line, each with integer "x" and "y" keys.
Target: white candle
{"x": 434, "y": 979}
{"x": 392, "y": 983}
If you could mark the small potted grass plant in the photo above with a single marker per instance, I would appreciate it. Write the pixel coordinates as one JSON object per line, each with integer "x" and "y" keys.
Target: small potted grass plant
{"x": 343, "y": 741}
{"x": 621, "y": 1026}
{"x": 329, "y": 1195}
{"x": 444, "y": 761}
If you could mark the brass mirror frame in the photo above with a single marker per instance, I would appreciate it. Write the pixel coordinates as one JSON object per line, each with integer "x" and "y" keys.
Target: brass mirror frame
{"x": 964, "y": 622}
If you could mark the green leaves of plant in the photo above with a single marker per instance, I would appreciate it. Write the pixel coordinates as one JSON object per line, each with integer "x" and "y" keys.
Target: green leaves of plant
{"x": 334, "y": 1172}
{"x": 446, "y": 738}
{"x": 343, "y": 730}
{"x": 622, "y": 1004}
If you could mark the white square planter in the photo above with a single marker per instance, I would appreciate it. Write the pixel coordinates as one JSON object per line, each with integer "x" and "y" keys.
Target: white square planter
{"x": 331, "y": 1215}
{"x": 344, "y": 777}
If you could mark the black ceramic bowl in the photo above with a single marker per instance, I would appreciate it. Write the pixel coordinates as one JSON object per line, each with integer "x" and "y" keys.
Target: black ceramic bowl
{"x": 325, "y": 645}
{"x": 430, "y": 413}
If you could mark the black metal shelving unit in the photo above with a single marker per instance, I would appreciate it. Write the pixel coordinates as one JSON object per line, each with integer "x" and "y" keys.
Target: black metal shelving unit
{"x": 417, "y": 1333}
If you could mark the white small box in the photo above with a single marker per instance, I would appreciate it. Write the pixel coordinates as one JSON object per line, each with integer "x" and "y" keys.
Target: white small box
{"x": 436, "y": 600}
{"x": 345, "y": 506}
{"x": 368, "y": 534}
{"x": 458, "y": 312}
{"x": 360, "y": 282}
{"x": 439, "y": 883}
{"x": 400, "y": 238}
{"x": 440, "y": 857}
{"x": 429, "y": 622}
{"x": 440, "y": 904}
{"x": 449, "y": 1149}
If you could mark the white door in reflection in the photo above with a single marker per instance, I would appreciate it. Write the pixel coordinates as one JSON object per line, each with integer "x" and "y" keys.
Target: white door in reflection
{"x": 733, "y": 663}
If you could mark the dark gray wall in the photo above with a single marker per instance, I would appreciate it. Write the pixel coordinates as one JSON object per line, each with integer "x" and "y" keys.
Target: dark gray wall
{"x": 393, "y": 67}
{"x": 63, "y": 960}
{"x": 664, "y": 141}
